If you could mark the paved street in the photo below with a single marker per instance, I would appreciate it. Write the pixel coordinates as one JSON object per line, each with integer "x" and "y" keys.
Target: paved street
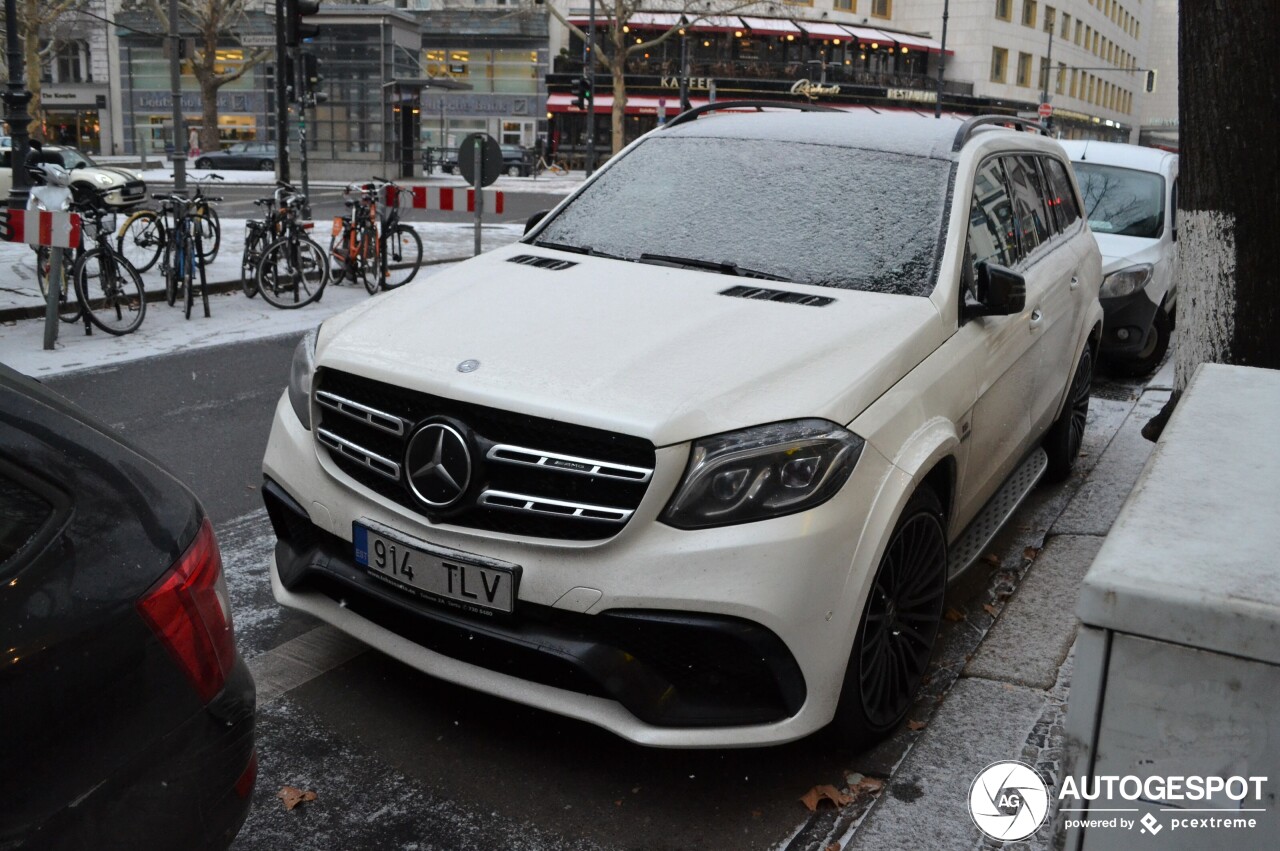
{"x": 399, "y": 760}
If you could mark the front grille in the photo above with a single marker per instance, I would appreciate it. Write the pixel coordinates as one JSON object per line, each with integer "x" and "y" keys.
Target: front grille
{"x": 529, "y": 475}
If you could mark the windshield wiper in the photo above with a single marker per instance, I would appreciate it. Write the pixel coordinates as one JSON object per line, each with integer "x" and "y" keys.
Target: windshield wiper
{"x": 723, "y": 267}
{"x": 577, "y": 249}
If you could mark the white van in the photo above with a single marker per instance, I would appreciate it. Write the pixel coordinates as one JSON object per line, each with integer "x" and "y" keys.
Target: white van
{"x": 1130, "y": 198}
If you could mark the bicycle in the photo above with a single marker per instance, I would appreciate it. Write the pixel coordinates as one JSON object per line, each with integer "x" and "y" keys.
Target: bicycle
{"x": 381, "y": 253}
{"x": 108, "y": 288}
{"x": 260, "y": 233}
{"x": 182, "y": 255}
{"x": 144, "y": 234}
{"x": 556, "y": 167}
{"x": 293, "y": 271}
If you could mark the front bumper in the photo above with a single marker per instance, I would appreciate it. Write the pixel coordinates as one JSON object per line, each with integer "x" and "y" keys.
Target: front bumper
{"x": 736, "y": 636}
{"x": 1127, "y": 320}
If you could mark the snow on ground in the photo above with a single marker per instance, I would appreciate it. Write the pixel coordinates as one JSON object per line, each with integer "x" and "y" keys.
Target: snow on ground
{"x": 563, "y": 184}
{"x": 234, "y": 318}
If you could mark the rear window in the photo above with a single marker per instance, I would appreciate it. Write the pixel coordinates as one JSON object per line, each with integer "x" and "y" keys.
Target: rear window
{"x": 815, "y": 214}
{"x": 1121, "y": 200}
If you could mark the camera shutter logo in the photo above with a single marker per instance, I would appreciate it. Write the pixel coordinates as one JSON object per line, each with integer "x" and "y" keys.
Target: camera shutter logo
{"x": 1008, "y": 800}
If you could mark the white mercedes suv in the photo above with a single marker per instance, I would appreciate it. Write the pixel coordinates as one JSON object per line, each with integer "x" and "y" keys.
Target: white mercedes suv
{"x": 695, "y": 460}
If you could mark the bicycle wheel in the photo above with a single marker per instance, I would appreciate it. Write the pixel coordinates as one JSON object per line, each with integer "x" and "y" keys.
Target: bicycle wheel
{"x": 110, "y": 290}
{"x": 366, "y": 260}
{"x": 293, "y": 272}
{"x": 338, "y": 255}
{"x": 68, "y": 304}
{"x": 254, "y": 243}
{"x": 141, "y": 239}
{"x": 401, "y": 257}
{"x": 188, "y": 278}
{"x": 172, "y": 273}
{"x": 206, "y": 221}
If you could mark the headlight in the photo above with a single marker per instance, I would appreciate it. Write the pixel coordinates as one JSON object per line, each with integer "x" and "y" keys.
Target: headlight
{"x": 1126, "y": 281}
{"x": 300, "y": 373}
{"x": 762, "y": 472}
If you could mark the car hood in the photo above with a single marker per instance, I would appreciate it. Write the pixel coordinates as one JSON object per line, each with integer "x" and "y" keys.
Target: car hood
{"x": 1119, "y": 252}
{"x": 647, "y": 350}
{"x": 119, "y": 176}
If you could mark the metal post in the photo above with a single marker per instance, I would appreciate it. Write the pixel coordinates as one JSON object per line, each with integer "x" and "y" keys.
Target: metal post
{"x": 1048, "y": 71}
{"x": 301, "y": 88}
{"x": 942, "y": 58}
{"x": 133, "y": 115}
{"x": 282, "y": 101}
{"x": 16, "y": 98}
{"x": 684, "y": 70}
{"x": 179, "y": 155}
{"x": 477, "y": 184}
{"x": 589, "y": 70}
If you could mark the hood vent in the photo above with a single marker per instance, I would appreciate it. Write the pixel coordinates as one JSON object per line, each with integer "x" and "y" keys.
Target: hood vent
{"x": 541, "y": 262}
{"x": 762, "y": 294}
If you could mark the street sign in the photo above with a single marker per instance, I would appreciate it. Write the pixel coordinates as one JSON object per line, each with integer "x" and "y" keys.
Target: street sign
{"x": 490, "y": 158}
{"x": 258, "y": 40}
{"x": 1046, "y": 110}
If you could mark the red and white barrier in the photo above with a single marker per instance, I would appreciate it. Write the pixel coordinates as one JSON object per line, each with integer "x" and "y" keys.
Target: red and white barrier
{"x": 443, "y": 198}
{"x": 40, "y": 227}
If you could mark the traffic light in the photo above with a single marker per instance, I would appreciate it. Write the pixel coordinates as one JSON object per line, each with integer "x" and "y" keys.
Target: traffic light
{"x": 587, "y": 95}
{"x": 295, "y": 29}
{"x": 1151, "y": 80}
{"x": 580, "y": 92}
{"x": 310, "y": 72}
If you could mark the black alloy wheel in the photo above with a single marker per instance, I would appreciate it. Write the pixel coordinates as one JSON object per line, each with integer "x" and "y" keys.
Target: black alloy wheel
{"x": 202, "y": 164}
{"x": 899, "y": 626}
{"x": 266, "y": 165}
{"x": 1066, "y": 435}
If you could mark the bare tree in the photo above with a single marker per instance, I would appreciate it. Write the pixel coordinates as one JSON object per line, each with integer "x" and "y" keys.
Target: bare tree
{"x": 36, "y": 17}
{"x": 1229, "y": 290}
{"x": 622, "y": 44}
{"x": 211, "y": 21}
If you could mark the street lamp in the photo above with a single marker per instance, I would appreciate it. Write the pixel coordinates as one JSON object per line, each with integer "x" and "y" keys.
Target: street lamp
{"x": 942, "y": 58}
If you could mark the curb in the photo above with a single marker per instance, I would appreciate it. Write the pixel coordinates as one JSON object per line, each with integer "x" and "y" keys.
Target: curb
{"x": 36, "y": 311}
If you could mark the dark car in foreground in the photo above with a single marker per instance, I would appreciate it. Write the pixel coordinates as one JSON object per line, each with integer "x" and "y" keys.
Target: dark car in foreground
{"x": 259, "y": 156}
{"x": 128, "y": 716}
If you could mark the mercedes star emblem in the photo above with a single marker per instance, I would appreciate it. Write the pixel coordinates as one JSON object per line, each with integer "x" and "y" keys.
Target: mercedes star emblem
{"x": 438, "y": 465}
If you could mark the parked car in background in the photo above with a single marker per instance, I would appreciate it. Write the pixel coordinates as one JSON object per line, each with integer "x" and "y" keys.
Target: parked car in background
{"x": 128, "y": 714}
{"x": 260, "y": 156}
{"x": 695, "y": 476}
{"x": 516, "y": 161}
{"x": 1131, "y": 200}
{"x": 121, "y": 187}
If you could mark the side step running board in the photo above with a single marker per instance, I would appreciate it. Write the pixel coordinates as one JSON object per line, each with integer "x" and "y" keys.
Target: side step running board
{"x": 969, "y": 547}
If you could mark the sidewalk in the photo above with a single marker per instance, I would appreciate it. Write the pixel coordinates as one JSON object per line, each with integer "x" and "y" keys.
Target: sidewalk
{"x": 1003, "y": 668}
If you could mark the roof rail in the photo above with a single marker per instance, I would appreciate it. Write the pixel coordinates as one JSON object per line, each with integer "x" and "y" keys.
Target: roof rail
{"x": 758, "y": 105}
{"x": 971, "y": 124}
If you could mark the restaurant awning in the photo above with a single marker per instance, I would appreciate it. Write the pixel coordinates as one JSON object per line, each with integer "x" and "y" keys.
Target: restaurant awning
{"x": 924, "y": 44}
{"x": 636, "y": 104}
{"x": 770, "y": 26}
{"x": 825, "y": 31}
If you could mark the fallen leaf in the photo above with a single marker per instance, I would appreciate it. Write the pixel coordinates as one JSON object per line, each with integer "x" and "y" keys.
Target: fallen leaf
{"x": 990, "y": 609}
{"x": 834, "y": 846}
{"x": 826, "y": 791}
{"x": 992, "y": 559}
{"x": 1030, "y": 553}
{"x": 953, "y": 615}
{"x": 916, "y": 725}
{"x": 292, "y": 796}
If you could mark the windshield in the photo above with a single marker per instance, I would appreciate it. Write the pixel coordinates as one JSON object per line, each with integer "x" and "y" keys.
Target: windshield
{"x": 815, "y": 214}
{"x": 1122, "y": 201}
{"x": 75, "y": 159}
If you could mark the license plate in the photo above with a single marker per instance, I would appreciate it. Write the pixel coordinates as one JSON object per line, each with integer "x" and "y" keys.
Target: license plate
{"x": 440, "y": 574}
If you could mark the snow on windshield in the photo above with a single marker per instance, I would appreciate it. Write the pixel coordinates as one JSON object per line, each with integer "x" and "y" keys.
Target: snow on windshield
{"x": 1121, "y": 200}
{"x": 812, "y": 213}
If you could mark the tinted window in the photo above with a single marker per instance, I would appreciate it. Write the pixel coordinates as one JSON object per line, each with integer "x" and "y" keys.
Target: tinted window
{"x": 816, "y": 214}
{"x": 1061, "y": 197}
{"x": 1028, "y": 202}
{"x": 22, "y": 514}
{"x": 991, "y": 236}
{"x": 1121, "y": 200}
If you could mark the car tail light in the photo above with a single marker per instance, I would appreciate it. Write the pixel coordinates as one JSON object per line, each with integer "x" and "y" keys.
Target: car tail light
{"x": 190, "y": 613}
{"x": 244, "y": 785}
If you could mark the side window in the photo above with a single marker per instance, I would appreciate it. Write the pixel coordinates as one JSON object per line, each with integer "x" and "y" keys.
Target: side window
{"x": 1061, "y": 197}
{"x": 23, "y": 513}
{"x": 1173, "y": 208}
{"x": 1029, "y": 207}
{"x": 991, "y": 228}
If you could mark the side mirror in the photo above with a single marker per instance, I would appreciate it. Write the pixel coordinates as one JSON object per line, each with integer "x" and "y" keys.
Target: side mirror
{"x": 534, "y": 219}
{"x": 1001, "y": 291}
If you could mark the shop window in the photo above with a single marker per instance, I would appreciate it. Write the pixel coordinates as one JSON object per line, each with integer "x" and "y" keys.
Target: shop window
{"x": 999, "y": 63}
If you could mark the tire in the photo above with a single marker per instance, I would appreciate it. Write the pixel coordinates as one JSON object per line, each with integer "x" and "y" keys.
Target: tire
{"x": 283, "y": 283}
{"x": 172, "y": 277}
{"x": 365, "y": 264}
{"x": 203, "y": 163}
{"x": 142, "y": 239}
{"x": 1146, "y": 361}
{"x": 210, "y": 229}
{"x": 514, "y": 171}
{"x": 110, "y": 291}
{"x": 899, "y": 626}
{"x": 337, "y": 256}
{"x": 68, "y": 303}
{"x": 1062, "y": 441}
{"x": 188, "y": 283}
{"x": 401, "y": 256}
{"x": 254, "y": 244}
{"x": 267, "y": 165}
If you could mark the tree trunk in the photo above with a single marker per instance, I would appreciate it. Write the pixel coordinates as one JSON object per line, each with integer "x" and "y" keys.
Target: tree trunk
{"x": 31, "y": 61}
{"x": 209, "y": 140}
{"x": 618, "y": 117}
{"x": 1229, "y": 192}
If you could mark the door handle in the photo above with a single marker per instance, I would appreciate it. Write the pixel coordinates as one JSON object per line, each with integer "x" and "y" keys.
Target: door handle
{"x": 1037, "y": 319}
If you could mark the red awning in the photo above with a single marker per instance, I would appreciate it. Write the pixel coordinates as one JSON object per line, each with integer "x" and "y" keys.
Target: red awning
{"x": 770, "y": 26}
{"x": 827, "y": 31}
